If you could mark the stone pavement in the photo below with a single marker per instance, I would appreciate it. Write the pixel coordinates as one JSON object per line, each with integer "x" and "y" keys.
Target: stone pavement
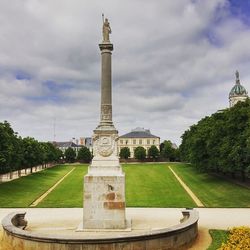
{"x": 61, "y": 220}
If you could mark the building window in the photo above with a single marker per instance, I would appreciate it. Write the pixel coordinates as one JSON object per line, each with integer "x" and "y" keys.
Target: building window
{"x": 153, "y": 141}
{"x": 121, "y": 141}
{"x": 148, "y": 141}
{"x": 126, "y": 142}
{"x": 140, "y": 141}
{"x": 134, "y": 141}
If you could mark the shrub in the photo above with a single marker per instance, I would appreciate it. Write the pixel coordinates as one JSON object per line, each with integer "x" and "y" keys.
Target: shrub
{"x": 239, "y": 238}
{"x": 140, "y": 153}
{"x": 124, "y": 153}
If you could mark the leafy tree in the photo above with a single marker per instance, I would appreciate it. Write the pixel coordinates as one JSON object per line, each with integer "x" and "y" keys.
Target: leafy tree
{"x": 153, "y": 152}
{"x": 70, "y": 155}
{"x": 221, "y": 142}
{"x": 168, "y": 152}
{"x": 84, "y": 155}
{"x": 124, "y": 153}
{"x": 32, "y": 155}
{"x": 17, "y": 153}
{"x": 10, "y": 149}
{"x": 140, "y": 153}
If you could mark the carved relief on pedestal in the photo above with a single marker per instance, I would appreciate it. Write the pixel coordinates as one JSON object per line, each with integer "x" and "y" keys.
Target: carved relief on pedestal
{"x": 106, "y": 112}
{"x": 105, "y": 145}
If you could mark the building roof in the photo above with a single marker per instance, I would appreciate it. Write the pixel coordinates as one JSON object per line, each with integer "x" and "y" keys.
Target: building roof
{"x": 139, "y": 133}
{"x": 66, "y": 144}
{"x": 238, "y": 89}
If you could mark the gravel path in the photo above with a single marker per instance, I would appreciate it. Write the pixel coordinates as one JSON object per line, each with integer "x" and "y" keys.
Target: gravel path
{"x": 188, "y": 190}
{"x": 39, "y": 199}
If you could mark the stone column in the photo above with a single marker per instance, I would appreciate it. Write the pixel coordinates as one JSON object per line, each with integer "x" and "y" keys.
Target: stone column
{"x": 104, "y": 185}
{"x": 106, "y": 87}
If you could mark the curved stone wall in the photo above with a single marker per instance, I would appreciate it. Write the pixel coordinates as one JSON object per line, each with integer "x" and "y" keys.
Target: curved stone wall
{"x": 179, "y": 237}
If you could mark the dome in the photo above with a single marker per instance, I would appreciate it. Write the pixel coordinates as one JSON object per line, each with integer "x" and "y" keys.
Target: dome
{"x": 238, "y": 89}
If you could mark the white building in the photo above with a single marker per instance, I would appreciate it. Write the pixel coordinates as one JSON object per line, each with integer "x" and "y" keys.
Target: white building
{"x": 237, "y": 93}
{"x": 138, "y": 137}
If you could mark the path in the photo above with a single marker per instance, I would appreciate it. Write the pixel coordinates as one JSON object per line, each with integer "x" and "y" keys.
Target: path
{"x": 38, "y": 200}
{"x": 188, "y": 190}
{"x": 210, "y": 218}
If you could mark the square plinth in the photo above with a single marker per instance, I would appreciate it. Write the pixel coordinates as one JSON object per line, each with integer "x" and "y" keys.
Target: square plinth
{"x": 104, "y": 202}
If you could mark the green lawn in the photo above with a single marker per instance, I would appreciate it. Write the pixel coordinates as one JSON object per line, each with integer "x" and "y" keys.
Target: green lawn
{"x": 23, "y": 191}
{"x": 69, "y": 193}
{"x": 147, "y": 185}
{"x": 211, "y": 190}
{"x": 154, "y": 185}
{"x": 218, "y": 237}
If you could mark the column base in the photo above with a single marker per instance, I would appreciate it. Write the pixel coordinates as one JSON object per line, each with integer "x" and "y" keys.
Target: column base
{"x": 104, "y": 201}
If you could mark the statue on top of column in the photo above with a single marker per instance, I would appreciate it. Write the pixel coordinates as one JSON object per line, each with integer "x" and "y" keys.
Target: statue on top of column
{"x": 106, "y": 30}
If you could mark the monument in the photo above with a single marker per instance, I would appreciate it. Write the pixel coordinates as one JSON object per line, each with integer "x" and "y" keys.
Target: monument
{"x": 104, "y": 201}
{"x": 104, "y": 184}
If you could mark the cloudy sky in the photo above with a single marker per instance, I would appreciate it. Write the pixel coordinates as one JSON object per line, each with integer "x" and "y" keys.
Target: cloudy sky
{"x": 173, "y": 63}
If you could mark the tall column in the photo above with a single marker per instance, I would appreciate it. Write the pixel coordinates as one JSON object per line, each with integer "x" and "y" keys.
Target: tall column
{"x": 104, "y": 185}
{"x": 106, "y": 86}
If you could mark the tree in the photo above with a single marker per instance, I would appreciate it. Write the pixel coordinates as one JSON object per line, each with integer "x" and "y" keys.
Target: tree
{"x": 124, "y": 153}
{"x": 84, "y": 155}
{"x": 70, "y": 155}
{"x": 33, "y": 154}
{"x": 11, "y": 150}
{"x": 140, "y": 153}
{"x": 168, "y": 152}
{"x": 153, "y": 152}
{"x": 220, "y": 143}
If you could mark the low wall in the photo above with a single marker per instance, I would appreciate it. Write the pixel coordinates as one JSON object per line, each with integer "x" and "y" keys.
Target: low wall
{"x": 179, "y": 237}
{"x": 23, "y": 172}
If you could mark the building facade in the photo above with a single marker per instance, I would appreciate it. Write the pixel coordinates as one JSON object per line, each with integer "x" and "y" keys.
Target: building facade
{"x": 67, "y": 144}
{"x": 138, "y": 137}
{"x": 238, "y": 92}
{"x": 75, "y": 144}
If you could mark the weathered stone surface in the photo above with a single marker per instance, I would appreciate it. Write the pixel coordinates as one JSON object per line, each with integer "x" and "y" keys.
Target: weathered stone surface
{"x": 104, "y": 202}
{"x": 177, "y": 237}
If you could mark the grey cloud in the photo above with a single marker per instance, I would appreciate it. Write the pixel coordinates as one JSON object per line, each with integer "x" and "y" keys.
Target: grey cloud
{"x": 168, "y": 72}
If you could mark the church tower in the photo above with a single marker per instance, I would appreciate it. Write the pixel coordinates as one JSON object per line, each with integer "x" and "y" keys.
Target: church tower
{"x": 238, "y": 92}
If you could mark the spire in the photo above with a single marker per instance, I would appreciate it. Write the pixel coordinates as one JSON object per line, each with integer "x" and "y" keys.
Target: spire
{"x": 237, "y": 77}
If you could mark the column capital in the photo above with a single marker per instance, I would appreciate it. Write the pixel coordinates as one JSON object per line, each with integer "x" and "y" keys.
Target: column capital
{"x": 106, "y": 46}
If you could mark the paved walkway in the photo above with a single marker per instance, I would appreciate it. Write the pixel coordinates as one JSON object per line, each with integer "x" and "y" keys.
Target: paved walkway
{"x": 44, "y": 219}
{"x": 38, "y": 200}
{"x": 188, "y": 190}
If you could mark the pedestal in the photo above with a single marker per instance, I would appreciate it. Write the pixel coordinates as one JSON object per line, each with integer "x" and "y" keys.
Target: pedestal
{"x": 104, "y": 202}
{"x": 104, "y": 185}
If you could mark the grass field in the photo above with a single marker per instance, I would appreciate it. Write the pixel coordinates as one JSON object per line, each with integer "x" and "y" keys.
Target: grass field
{"x": 69, "y": 193}
{"x": 153, "y": 185}
{"x": 211, "y": 190}
{"x": 23, "y": 191}
{"x": 218, "y": 237}
{"x": 147, "y": 185}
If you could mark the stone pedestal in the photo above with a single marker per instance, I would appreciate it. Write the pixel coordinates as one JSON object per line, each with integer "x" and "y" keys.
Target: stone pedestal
{"x": 104, "y": 202}
{"x": 104, "y": 185}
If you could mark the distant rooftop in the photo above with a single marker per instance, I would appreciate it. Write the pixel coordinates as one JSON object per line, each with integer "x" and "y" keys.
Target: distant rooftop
{"x": 139, "y": 133}
{"x": 65, "y": 144}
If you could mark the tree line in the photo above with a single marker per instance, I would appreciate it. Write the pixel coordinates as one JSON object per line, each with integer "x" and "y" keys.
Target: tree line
{"x": 17, "y": 153}
{"x": 220, "y": 142}
{"x": 166, "y": 153}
